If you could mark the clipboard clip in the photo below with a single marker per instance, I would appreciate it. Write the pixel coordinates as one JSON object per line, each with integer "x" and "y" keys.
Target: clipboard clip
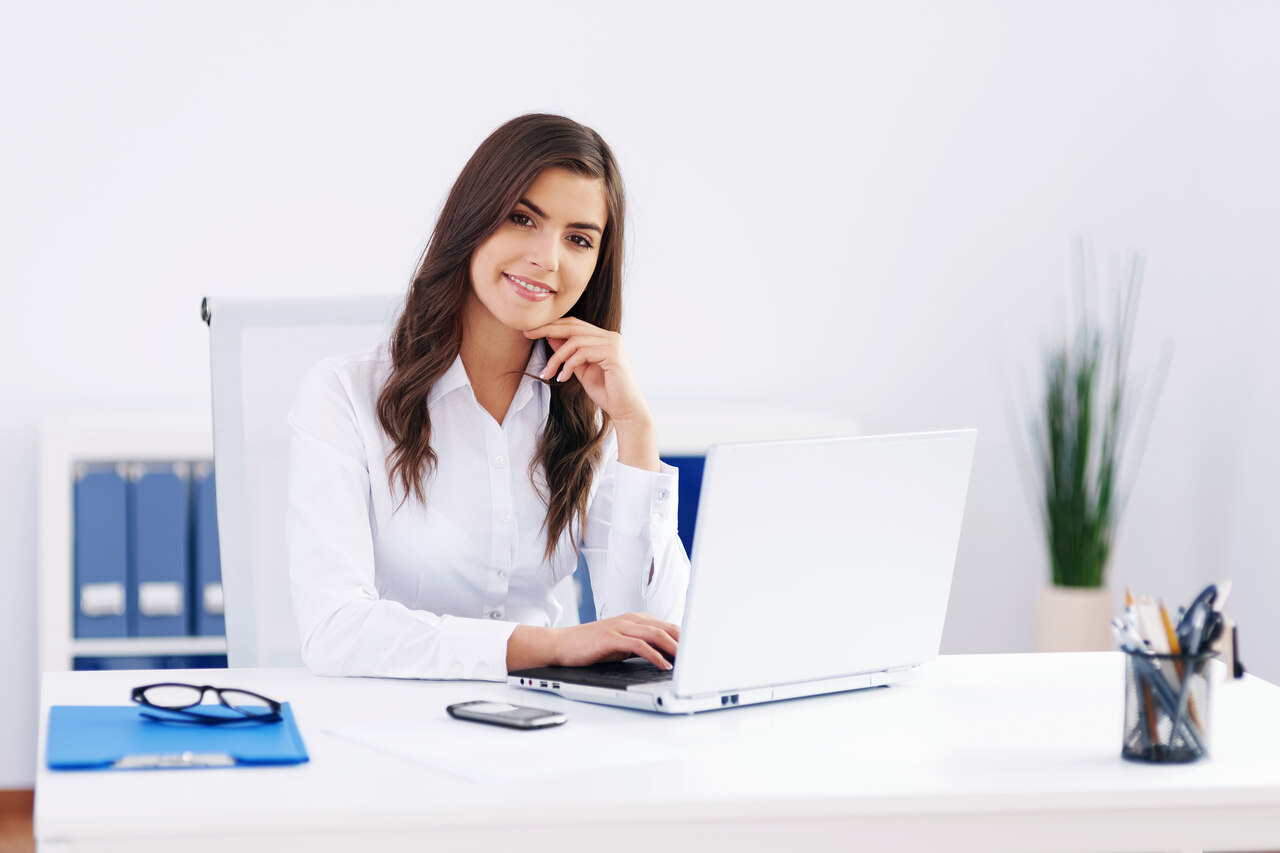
{"x": 174, "y": 761}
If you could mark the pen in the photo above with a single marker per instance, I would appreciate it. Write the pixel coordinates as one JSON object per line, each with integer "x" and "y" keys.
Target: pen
{"x": 1133, "y": 638}
{"x": 1153, "y": 729}
{"x": 1138, "y": 612}
{"x": 1123, "y": 640}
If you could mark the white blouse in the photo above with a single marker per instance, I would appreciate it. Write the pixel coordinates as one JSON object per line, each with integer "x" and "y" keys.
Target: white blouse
{"x": 434, "y": 589}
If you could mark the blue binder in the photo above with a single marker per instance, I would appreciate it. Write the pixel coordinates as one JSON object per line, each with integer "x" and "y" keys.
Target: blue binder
{"x": 206, "y": 592}
{"x": 101, "y": 553}
{"x": 101, "y": 662}
{"x": 690, "y": 468}
{"x": 118, "y": 737}
{"x": 159, "y": 520}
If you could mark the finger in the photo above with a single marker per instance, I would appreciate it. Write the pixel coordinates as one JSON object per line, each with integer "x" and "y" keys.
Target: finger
{"x": 562, "y": 328}
{"x": 645, "y": 618}
{"x": 642, "y": 649}
{"x": 559, "y": 329}
{"x": 566, "y": 349}
{"x": 658, "y": 639}
{"x": 583, "y": 357}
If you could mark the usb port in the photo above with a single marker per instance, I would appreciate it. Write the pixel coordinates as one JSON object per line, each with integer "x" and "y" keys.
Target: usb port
{"x": 555, "y": 685}
{"x": 734, "y": 699}
{"x": 544, "y": 684}
{"x": 724, "y": 700}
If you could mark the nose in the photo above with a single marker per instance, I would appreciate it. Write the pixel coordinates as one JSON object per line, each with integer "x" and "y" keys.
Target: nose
{"x": 544, "y": 253}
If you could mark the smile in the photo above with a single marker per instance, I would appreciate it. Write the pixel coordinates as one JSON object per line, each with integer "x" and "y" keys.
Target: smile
{"x": 532, "y": 288}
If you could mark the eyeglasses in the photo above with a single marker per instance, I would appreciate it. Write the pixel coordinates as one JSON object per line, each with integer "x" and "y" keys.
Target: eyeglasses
{"x": 185, "y": 701}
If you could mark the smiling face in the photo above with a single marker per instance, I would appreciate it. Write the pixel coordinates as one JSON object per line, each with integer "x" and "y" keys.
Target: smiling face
{"x": 533, "y": 269}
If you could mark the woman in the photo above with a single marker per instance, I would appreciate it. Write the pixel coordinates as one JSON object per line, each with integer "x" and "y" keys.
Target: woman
{"x": 442, "y": 484}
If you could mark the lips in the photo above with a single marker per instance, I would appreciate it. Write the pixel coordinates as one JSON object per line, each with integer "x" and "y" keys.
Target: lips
{"x": 528, "y": 288}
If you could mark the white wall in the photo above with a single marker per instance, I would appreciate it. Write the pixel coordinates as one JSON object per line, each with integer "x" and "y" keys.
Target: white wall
{"x": 860, "y": 207}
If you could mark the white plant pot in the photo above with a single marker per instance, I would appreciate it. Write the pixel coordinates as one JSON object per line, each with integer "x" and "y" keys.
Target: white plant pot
{"x": 1074, "y": 619}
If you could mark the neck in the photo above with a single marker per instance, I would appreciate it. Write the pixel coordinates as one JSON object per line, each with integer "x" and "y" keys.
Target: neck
{"x": 495, "y": 357}
{"x": 489, "y": 348}
{"x": 487, "y": 363}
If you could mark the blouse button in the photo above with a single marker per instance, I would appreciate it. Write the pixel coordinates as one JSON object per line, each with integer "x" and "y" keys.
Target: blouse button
{"x": 663, "y": 494}
{"x": 502, "y": 573}
{"x": 499, "y": 462}
{"x": 656, "y": 518}
{"x": 495, "y": 614}
{"x": 505, "y": 517}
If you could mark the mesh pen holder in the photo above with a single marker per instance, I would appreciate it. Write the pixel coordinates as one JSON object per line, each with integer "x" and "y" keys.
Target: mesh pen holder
{"x": 1166, "y": 707}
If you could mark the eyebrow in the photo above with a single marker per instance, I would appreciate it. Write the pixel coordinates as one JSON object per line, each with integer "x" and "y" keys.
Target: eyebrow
{"x": 583, "y": 226}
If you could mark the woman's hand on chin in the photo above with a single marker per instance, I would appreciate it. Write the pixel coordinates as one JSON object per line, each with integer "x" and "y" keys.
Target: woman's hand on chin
{"x": 599, "y": 361}
{"x": 613, "y": 639}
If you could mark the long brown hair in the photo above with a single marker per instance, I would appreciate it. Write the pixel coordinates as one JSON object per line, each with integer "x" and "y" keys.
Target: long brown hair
{"x": 428, "y": 336}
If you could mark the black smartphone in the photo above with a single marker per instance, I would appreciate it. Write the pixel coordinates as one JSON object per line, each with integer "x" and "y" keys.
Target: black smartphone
{"x": 506, "y": 714}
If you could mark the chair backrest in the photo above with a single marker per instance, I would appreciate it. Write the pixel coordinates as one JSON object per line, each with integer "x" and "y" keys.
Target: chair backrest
{"x": 259, "y": 352}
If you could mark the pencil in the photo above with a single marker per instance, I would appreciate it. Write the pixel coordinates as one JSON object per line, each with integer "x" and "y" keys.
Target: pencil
{"x": 1174, "y": 646}
{"x": 1176, "y": 649}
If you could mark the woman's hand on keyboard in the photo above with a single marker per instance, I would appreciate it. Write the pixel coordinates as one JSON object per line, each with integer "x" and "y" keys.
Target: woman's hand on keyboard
{"x": 613, "y": 639}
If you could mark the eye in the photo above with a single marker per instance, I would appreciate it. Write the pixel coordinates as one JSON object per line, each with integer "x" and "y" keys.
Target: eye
{"x": 580, "y": 240}
{"x": 524, "y": 220}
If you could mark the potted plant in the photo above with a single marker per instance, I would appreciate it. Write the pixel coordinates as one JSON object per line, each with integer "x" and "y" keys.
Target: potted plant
{"x": 1082, "y": 458}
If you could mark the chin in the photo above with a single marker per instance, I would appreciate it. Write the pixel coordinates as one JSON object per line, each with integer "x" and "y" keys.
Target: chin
{"x": 524, "y": 322}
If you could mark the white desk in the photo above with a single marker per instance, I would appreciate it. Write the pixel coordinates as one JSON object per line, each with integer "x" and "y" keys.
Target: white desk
{"x": 992, "y": 753}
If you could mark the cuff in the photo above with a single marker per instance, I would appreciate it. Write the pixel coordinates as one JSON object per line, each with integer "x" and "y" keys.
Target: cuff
{"x": 644, "y": 502}
{"x": 474, "y": 648}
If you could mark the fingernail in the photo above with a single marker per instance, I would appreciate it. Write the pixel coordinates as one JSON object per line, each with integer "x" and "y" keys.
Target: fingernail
{"x": 543, "y": 374}
{"x": 564, "y": 375}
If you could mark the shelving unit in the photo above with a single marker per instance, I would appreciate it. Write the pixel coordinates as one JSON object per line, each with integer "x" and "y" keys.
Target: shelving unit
{"x": 101, "y": 438}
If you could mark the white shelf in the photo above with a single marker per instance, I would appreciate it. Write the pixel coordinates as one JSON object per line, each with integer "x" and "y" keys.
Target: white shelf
{"x": 100, "y": 437}
{"x": 148, "y": 646}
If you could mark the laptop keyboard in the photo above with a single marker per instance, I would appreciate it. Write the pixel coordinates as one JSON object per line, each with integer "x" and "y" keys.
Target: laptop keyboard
{"x": 618, "y": 675}
{"x": 623, "y": 672}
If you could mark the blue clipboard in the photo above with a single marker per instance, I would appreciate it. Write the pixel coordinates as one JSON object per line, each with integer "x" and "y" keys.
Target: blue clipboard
{"x": 118, "y": 737}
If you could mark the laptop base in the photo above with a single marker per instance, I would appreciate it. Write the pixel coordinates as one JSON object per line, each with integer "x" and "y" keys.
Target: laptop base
{"x": 658, "y": 697}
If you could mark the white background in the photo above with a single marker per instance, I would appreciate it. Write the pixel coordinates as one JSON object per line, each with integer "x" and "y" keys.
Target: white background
{"x": 864, "y": 208}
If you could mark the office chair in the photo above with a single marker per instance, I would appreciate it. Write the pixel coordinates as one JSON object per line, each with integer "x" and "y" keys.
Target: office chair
{"x": 259, "y": 351}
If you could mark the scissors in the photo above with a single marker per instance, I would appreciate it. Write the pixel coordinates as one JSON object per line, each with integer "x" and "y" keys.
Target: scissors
{"x": 1202, "y": 622}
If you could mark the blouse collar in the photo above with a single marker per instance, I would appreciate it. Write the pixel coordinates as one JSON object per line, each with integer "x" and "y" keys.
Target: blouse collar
{"x": 455, "y": 378}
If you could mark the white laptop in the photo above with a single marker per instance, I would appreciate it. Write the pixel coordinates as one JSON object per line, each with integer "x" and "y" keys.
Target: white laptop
{"x": 819, "y": 565}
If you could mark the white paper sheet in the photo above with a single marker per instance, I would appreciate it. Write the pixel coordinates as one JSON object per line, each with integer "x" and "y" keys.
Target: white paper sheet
{"x": 485, "y": 753}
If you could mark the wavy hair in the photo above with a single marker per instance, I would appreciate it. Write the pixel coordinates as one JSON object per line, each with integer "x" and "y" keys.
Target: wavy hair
{"x": 428, "y": 335}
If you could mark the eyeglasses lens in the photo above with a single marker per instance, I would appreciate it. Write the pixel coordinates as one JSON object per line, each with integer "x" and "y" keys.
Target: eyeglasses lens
{"x": 172, "y": 696}
{"x": 246, "y": 703}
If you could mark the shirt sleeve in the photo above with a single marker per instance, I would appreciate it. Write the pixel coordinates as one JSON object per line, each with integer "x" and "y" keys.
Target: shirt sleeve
{"x": 346, "y": 628}
{"x": 635, "y": 558}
